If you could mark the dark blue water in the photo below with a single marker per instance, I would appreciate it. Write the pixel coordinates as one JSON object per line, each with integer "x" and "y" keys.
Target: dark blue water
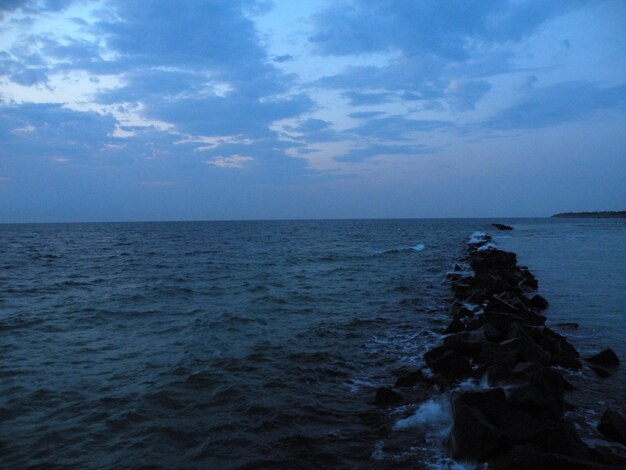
{"x": 233, "y": 344}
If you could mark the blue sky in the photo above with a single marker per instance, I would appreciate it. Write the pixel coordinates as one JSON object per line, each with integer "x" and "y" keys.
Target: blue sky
{"x": 158, "y": 110}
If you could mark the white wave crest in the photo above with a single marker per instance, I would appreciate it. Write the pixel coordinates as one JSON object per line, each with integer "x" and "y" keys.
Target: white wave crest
{"x": 477, "y": 237}
{"x": 419, "y": 247}
{"x": 432, "y": 415}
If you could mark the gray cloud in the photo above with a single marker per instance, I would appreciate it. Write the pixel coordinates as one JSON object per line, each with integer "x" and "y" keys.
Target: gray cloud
{"x": 557, "y": 104}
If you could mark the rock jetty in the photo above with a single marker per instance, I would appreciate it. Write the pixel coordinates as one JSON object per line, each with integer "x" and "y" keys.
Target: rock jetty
{"x": 497, "y": 335}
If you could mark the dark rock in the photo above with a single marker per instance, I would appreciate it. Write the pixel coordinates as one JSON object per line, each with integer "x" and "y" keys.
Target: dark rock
{"x": 387, "y": 397}
{"x": 567, "y": 325}
{"x": 473, "y": 435}
{"x": 602, "y": 372}
{"x": 541, "y": 396}
{"x": 466, "y": 342}
{"x": 435, "y": 354}
{"x": 476, "y": 323}
{"x": 552, "y": 461}
{"x": 458, "y": 310}
{"x": 562, "y": 440}
{"x": 538, "y": 302}
{"x": 502, "y": 227}
{"x": 501, "y": 321}
{"x": 563, "y": 353}
{"x": 613, "y": 426}
{"x": 410, "y": 379}
{"x": 531, "y": 318}
{"x": 449, "y": 364}
{"x": 492, "y": 333}
{"x": 521, "y": 457}
{"x": 455, "y": 326}
{"x": 497, "y": 374}
{"x": 457, "y": 267}
{"x": 496, "y": 304}
{"x": 530, "y": 350}
{"x": 500, "y": 354}
{"x": 604, "y": 358}
{"x": 484, "y": 425}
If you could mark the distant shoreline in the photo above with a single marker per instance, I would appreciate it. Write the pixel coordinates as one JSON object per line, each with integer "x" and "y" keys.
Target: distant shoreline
{"x": 592, "y": 215}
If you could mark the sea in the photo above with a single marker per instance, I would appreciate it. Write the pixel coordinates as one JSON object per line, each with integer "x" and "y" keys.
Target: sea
{"x": 260, "y": 344}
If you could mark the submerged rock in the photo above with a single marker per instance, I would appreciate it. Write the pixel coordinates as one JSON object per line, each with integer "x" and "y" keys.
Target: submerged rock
{"x": 387, "y": 397}
{"x": 502, "y": 227}
{"x": 613, "y": 426}
{"x": 604, "y": 358}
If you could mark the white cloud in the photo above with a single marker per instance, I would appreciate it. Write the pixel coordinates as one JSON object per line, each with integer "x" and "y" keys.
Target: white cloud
{"x": 234, "y": 161}
{"x": 27, "y": 129}
{"x": 61, "y": 159}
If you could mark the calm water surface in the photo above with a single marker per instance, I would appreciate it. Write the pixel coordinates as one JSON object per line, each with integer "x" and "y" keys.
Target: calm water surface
{"x": 260, "y": 344}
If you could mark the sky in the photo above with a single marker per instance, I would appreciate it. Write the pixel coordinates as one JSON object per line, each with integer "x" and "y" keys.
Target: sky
{"x": 116, "y": 110}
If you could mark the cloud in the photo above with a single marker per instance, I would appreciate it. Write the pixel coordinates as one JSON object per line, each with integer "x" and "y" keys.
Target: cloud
{"x": 427, "y": 27}
{"x": 396, "y": 127}
{"x": 363, "y": 99}
{"x": 431, "y": 47}
{"x": 284, "y": 58}
{"x": 556, "y": 104}
{"x": 363, "y": 153}
{"x": 233, "y": 161}
{"x": 366, "y": 114}
{"x": 463, "y": 96}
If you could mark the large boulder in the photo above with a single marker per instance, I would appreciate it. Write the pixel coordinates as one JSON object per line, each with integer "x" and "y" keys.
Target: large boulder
{"x": 475, "y": 435}
{"x": 541, "y": 395}
{"x": 451, "y": 365}
{"x": 538, "y": 302}
{"x": 466, "y": 342}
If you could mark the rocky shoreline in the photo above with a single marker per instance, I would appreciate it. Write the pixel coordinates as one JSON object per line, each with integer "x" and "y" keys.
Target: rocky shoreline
{"x": 497, "y": 335}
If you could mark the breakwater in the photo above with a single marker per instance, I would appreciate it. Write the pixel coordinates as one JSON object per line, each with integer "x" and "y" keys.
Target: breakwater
{"x": 515, "y": 415}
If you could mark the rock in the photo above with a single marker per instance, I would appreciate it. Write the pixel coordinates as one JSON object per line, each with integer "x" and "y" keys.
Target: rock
{"x": 541, "y": 396}
{"x": 410, "y": 379}
{"x": 447, "y": 363}
{"x": 455, "y": 326}
{"x": 601, "y": 372}
{"x": 604, "y": 358}
{"x": 502, "y": 227}
{"x": 531, "y": 318}
{"x": 458, "y": 310}
{"x": 522, "y": 457}
{"x": 563, "y": 353}
{"x": 466, "y": 342}
{"x": 492, "y": 333}
{"x": 500, "y": 354}
{"x": 531, "y": 351}
{"x": 474, "y": 436}
{"x": 562, "y": 440}
{"x": 496, "y": 304}
{"x": 497, "y": 374}
{"x": 613, "y": 426}
{"x": 387, "y": 397}
{"x": 538, "y": 302}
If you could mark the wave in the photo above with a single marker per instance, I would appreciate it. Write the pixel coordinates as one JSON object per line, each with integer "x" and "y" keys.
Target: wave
{"x": 393, "y": 251}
